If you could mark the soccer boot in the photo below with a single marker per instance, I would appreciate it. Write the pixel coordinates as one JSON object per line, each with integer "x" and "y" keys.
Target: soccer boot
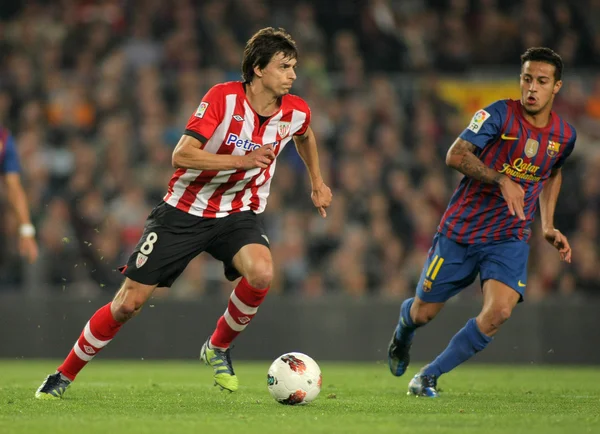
{"x": 398, "y": 355}
{"x": 220, "y": 361}
{"x": 53, "y": 387}
{"x": 423, "y": 385}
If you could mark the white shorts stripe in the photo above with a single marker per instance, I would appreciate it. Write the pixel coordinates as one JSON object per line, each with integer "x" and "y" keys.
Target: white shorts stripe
{"x": 81, "y": 354}
{"x": 96, "y": 343}
{"x": 231, "y": 322}
{"x": 244, "y": 308}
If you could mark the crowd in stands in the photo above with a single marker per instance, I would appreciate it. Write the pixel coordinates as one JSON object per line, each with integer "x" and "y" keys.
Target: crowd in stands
{"x": 97, "y": 94}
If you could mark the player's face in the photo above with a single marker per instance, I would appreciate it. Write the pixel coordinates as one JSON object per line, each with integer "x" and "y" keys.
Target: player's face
{"x": 538, "y": 86}
{"x": 279, "y": 74}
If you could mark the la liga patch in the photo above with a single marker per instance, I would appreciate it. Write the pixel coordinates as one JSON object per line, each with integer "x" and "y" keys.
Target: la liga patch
{"x": 201, "y": 109}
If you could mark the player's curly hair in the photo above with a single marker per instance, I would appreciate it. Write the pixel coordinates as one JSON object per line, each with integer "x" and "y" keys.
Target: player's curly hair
{"x": 261, "y": 48}
{"x": 543, "y": 54}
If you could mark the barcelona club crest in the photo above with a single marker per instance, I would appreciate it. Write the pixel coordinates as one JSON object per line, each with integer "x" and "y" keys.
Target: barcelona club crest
{"x": 283, "y": 128}
{"x": 531, "y": 147}
{"x": 553, "y": 149}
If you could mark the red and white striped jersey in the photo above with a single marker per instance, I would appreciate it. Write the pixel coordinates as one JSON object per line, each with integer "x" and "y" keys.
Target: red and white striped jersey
{"x": 227, "y": 120}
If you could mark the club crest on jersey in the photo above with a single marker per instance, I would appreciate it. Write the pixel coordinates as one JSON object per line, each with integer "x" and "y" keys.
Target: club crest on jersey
{"x": 140, "y": 260}
{"x": 201, "y": 109}
{"x": 553, "y": 149}
{"x": 531, "y": 147}
{"x": 283, "y": 128}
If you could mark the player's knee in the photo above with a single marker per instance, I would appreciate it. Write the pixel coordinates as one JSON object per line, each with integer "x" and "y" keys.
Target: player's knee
{"x": 128, "y": 302}
{"x": 494, "y": 318}
{"x": 423, "y": 315}
{"x": 260, "y": 274}
{"x": 501, "y": 314}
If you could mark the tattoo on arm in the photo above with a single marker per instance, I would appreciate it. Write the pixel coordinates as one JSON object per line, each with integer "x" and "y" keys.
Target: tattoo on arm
{"x": 466, "y": 162}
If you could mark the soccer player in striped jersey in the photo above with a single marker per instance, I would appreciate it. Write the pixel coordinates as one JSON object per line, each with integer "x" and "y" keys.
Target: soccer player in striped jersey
{"x": 10, "y": 171}
{"x": 511, "y": 154}
{"x": 224, "y": 163}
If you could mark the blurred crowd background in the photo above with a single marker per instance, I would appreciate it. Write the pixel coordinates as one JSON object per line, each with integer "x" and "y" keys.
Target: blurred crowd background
{"x": 97, "y": 94}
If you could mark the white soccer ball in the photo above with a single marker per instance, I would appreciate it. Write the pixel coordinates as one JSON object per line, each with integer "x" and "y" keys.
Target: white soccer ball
{"x": 294, "y": 378}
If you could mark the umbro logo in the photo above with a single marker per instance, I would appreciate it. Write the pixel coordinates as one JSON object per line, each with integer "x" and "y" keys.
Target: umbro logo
{"x": 88, "y": 349}
{"x": 238, "y": 118}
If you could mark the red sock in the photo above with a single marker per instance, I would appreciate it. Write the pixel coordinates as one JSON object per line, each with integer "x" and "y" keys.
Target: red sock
{"x": 98, "y": 332}
{"x": 242, "y": 306}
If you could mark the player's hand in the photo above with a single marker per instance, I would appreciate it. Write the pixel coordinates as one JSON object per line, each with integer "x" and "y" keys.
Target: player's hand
{"x": 28, "y": 248}
{"x": 514, "y": 195}
{"x": 560, "y": 242}
{"x": 262, "y": 157}
{"x": 321, "y": 197}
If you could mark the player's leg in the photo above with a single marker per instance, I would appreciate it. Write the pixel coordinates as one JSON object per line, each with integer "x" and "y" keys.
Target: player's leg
{"x": 414, "y": 313}
{"x": 158, "y": 259}
{"x": 499, "y": 300}
{"x": 445, "y": 272}
{"x": 503, "y": 267}
{"x": 97, "y": 333}
{"x": 243, "y": 248}
{"x": 255, "y": 264}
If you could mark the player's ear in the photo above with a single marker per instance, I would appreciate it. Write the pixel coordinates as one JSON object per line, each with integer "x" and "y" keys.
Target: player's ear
{"x": 557, "y": 87}
{"x": 258, "y": 72}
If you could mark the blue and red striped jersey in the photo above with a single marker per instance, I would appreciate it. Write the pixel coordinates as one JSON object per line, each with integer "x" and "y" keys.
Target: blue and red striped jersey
{"x": 9, "y": 160}
{"x": 507, "y": 142}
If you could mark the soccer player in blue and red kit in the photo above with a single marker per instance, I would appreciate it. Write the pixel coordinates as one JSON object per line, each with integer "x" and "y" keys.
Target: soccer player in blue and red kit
{"x": 10, "y": 172}
{"x": 511, "y": 154}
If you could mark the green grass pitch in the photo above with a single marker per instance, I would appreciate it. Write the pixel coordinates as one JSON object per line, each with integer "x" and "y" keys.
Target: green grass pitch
{"x": 113, "y": 397}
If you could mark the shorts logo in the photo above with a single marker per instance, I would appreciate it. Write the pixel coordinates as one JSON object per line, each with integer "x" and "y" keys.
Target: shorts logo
{"x": 140, "y": 260}
{"x": 427, "y": 285}
{"x": 531, "y": 147}
{"x": 266, "y": 238}
{"x": 478, "y": 120}
{"x": 283, "y": 128}
{"x": 201, "y": 109}
{"x": 553, "y": 149}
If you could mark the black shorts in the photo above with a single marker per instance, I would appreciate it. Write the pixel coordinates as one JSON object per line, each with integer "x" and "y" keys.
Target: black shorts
{"x": 172, "y": 238}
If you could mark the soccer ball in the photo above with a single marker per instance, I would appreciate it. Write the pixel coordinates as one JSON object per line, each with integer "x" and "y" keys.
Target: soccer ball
{"x": 294, "y": 378}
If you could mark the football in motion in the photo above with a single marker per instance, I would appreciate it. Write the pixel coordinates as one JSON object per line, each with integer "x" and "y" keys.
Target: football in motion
{"x": 294, "y": 378}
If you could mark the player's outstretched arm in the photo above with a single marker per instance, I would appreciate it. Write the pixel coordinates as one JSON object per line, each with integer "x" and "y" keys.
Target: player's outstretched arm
{"x": 18, "y": 200}
{"x": 188, "y": 154}
{"x": 460, "y": 156}
{"x": 306, "y": 145}
{"x": 548, "y": 198}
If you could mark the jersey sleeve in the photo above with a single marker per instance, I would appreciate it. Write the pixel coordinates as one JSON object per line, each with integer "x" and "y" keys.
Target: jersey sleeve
{"x": 10, "y": 162}
{"x": 208, "y": 115}
{"x": 486, "y": 125}
{"x": 306, "y": 123}
{"x": 568, "y": 150}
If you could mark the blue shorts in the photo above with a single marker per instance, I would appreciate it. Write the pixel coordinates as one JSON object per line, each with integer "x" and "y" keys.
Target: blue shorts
{"x": 450, "y": 267}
